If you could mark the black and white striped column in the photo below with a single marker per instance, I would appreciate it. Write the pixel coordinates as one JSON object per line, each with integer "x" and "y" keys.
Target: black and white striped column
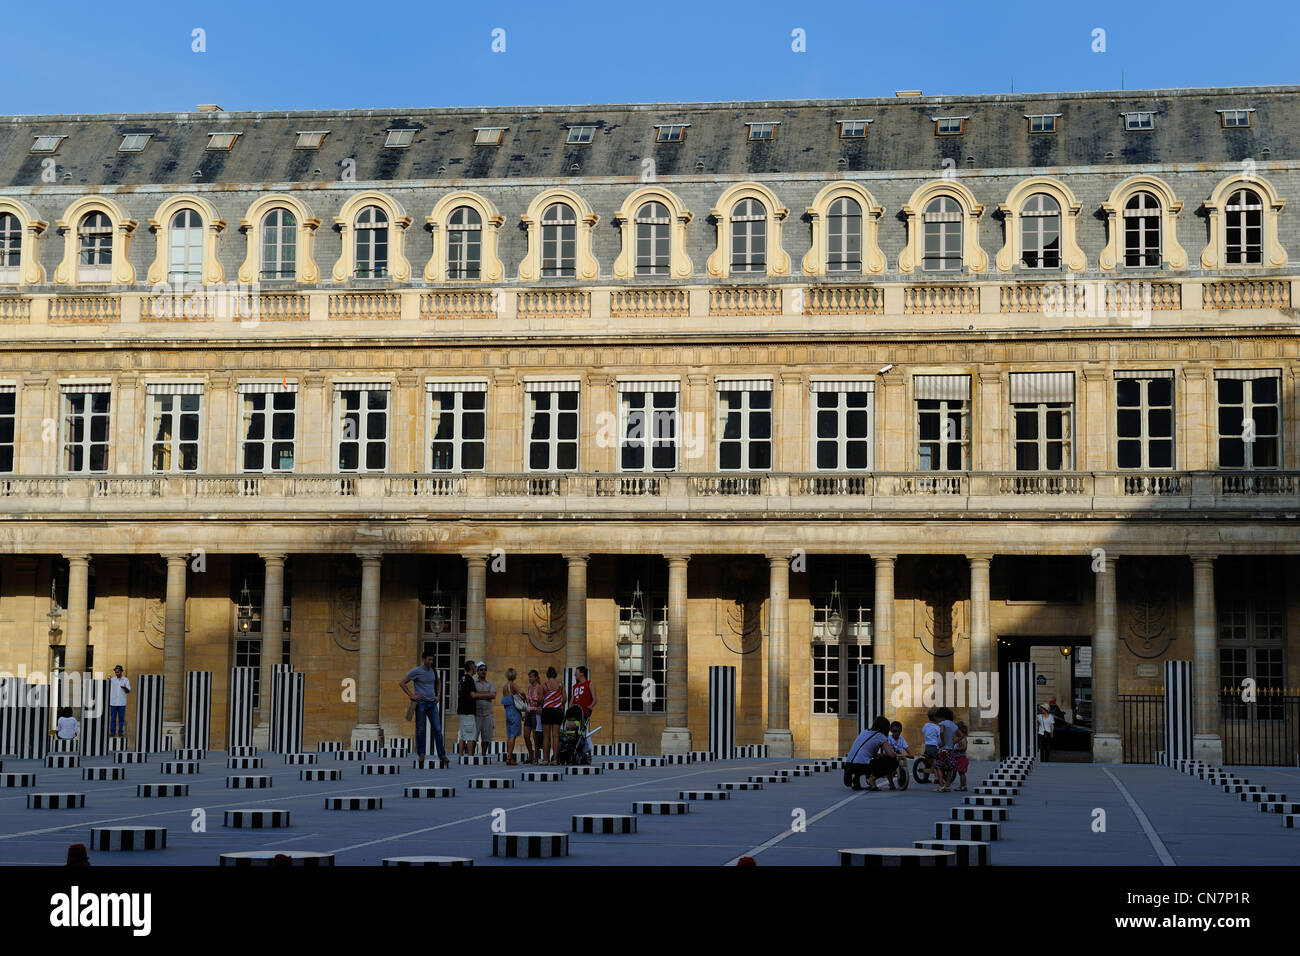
{"x": 871, "y": 694}
{"x": 1178, "y": 710}
{"x": 148, "y": 694}
{"x": 32, "y": 723}
{"x": 239, "y": 722}
{"x": 13, "y": 694}
{"x": 94, "y": 718}
{"x": 722, "y": 711}
{"x": 1022, "y": 738}
{"x": 198, "y": 710}
{"x": 286, "y": 711}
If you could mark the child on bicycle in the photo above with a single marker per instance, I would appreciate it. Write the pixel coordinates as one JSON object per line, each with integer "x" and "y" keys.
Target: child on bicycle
{"x": 899, "y": 745}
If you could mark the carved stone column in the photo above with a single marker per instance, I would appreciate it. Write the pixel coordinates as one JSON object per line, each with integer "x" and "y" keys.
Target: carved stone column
{"x": 1107, "y": 745}
{"x": 367, "y": 727}
{"x": 1207, "y": 744}
{"x": 676, "y": 737}
{"x": 981, "y": 745}
{"x": 174, "y": 646}
{"x": 779, "y": 740}
{"x": 77, "y": 638}
{"x": 575, "y": 617}
{"x": 475, "y": 607}
{"x": 272, "y": 643}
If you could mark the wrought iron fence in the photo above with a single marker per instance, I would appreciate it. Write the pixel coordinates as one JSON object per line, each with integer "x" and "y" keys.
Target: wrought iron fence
{"x": 1142, "y": 726}
{"x": 1260, "y": 728}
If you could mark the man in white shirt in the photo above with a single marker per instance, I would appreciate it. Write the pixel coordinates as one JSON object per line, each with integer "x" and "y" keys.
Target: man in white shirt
{"x": 118, "y": 688}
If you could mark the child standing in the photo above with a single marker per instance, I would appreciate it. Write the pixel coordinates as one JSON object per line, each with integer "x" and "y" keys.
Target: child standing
{"x": 933, "y": 735}
{"x": 960, "y": 763}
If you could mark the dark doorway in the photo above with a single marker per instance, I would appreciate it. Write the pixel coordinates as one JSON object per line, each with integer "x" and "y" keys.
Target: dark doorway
{"x": 1064, "y": 676}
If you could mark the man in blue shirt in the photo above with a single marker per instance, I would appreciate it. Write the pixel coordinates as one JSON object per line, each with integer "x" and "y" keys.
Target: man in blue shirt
{"x": 870, "y": 756}
{"x": 427, "y": 707}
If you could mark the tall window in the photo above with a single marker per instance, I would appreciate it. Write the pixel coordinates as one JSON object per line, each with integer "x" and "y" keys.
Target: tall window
{"x": 95, "y": 243}
{"x": 749, "y": 236}
{"x": 464, "y": 244}
{"x": 942, "y": 225}
{"x": 11, "y": 247}
{"x": 648, "y": 655}
{"x": 8, "y": 421}
{"x": 362, "y": 416}
{"x": 270, "y": 419}
{"x": 841, "y": 641}
{"x": 1042, "y": 405}
{"x": 844, "y": 236}
{"x": 185, "y": 249}
{"x": 653, "y": 225}
{"x": 559, "y": 242}
{"x": 279, "y": 245}
{"x": 1040, "y": 233}
{"x": 458, "y": 424}
{"x": 1142, "y": 230}
{"x": 85, "y": 429}
{"x": 841, "y": 426}
{"x": 553, "y": 426}
{"x": 372, "y": 244}
{"x": 648, "y": 423}
{"x": 744, "y": 426}
{"x": 1252, "y": 644}
{"x": 174, "y": 428}
{"x": 1144, "y": 421}
{"x": 1250, "y": 419}
{"x": 1243, "y": 220}
{"x": 942, "y": 422}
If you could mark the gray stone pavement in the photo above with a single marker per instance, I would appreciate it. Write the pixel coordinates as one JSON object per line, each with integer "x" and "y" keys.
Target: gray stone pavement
{"x": 1051, "y": 822}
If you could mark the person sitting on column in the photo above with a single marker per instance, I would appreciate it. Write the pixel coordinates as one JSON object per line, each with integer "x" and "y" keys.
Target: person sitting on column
{"x": 427, "y": 707}
{"x": 118, "y": 688}
{"x": 871, "y": 756}
{"x": 68, "y": 727}
{"x": 467, "y": 732}
{"x": 899, "y": 745}
{"x": 485, "y": 693}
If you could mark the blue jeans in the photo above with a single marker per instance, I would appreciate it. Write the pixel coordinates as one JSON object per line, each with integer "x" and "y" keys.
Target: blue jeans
{"x": 116, "y": 720}
{"x": 428, "y": 710}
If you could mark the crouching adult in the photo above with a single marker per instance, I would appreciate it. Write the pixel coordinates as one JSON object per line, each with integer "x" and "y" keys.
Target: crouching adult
{"x": 871, "y": 756}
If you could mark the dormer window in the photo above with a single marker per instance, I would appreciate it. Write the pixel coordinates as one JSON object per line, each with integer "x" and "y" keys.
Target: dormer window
{"x": 1042, "y": 122}
{"x": 219, "y": 141}
{"x": 1139, "y": 121}
{"x": 853, "y": 129}
{"x": 1235, "y": 119}
{"x": 399, "y": 138}
{"x": 47, "y": 144}
{"x": 310, "y": 139}
{"x": 762, "y": 131}
{"x": 949, "y": 125}
{"x": 489, "y": 135}
{"x": 134, "y": 142}
{"x": 580, "y": 135}
{"x": 671, "y": 134}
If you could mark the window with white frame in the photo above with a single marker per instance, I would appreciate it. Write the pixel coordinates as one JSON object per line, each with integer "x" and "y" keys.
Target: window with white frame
{"x": 1235, "y": 119}
{"x": 310, "y": 139}
{"x": 1040, "y": 233}
{"x": 552, "y": 426}
{"x": 11, "y": 247}
{"x": 942, "y": 422}
{"x": 222, "y": 141}
{"x": 745, "y": 425}
{"x": 648, "y": 425}
{"x": 1249, "y": 417}
{"x": 1252, "y": 631}
{"x": 844, "y": 236}
{"x": 269, "y": 427}
{"x": 185, "y": 245}
{"x": 580, "y": 135}
{"x": 1144, "y": 419}
{"x": 371, "y": 244}
{"x": 841, "y": 642}
{"x": 489, "y": 135}
{"x": 942, "y": 224}
{"x": 457, "y": 425}
{"x": 279, "y": 245}
{"x": 842, "y": 425}
{"x": 95, "y": 247}
{"x": 1243, "y": 222}
{"x": 1042, "y": 408}
{"x": 86, "y": 410}
{"x": 361, "y": 416}
{"x": 1142, "y": 230}
{"x": 670, "y": 134}
{"x": 653, "y": 230}
{"x": 749, "y": 236}
{"x": 1042, "y": 123}
{"x": 648, "y": 655}
{"x": 464, "y": 244}
{"x": 559, "y": 241}
{"x": 949, "y": 125}
{"x": 46, "y": 144}
{"x": 1142, "y": 120}
{"x": 761, "y": 131}
{"x": 853, "y": 129}
{"x": 174, "y": 418}
{"x": 8, "y": 423}
{"x": 399, "y": 138}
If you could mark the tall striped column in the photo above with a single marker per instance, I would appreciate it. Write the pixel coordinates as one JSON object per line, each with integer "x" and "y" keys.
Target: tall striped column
{"x": 13, "y": 694}
{"x": 1022, "y": 736}
{"x": 239, "y": 715}
{"x": 286, "y": 711}
{"x": 872, "y": 702}
{"x": 1178, "y": 710}
{"x": 150, "y": 694}
{"x": 722, "y": 712}
{"x": 198, "y": 710}
{"x": 1207, "y": 745}
{"x": 33, "y": 730}
{"x": 676, "y": 736}
{"x": 94, "y": 718}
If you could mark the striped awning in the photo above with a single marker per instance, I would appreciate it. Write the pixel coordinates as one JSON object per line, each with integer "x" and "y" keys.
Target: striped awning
{"x": 363, "y": 386}
{"x": 261, "y": 388}
{"x": 173, "y": 388}
{"x": 952, "y": 388}
{"x": 86, "y": 386}
{"x": 1144, "y": 373}
{"x": 453, "y": 385}
{"x": 744, "y": 384}
{"x": 649, "y": 385}
{"x": 844, "y": 385}
{"x": 1028, "y": 387}
{"x": 564, "y": 385}
{"x": 1243, "y": 374}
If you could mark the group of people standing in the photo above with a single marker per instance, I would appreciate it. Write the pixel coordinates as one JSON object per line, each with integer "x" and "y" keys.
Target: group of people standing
{"x": 534, "y": 711}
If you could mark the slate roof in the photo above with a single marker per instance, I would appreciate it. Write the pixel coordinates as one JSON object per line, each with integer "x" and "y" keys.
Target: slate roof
{"x": 901, "y": 136}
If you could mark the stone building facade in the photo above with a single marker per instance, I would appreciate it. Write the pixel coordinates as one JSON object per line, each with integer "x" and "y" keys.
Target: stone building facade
{"x": 933, "y": 383}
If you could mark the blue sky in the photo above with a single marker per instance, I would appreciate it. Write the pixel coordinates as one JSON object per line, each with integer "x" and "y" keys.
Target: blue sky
{"x": 336, "y": 54}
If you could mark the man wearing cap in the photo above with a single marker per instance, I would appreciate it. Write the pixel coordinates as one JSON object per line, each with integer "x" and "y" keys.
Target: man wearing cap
{"x": 468, "y": 730}
{"x": 485, "y": 693}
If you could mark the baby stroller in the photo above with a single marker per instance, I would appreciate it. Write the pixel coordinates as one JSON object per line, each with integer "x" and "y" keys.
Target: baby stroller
{"x": 575, "y": 747}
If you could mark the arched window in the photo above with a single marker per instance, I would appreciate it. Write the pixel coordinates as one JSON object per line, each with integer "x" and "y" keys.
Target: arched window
{"x": 464, "y": 244}
{"x": 372, "y": 244}
{"x": 748, "y": 236}
{"x": 559, "y": 242}
{"x": 95, "y": 238}
{"x": 1040, "y": 233}
{"x": 943, "y": 227}
{"x": 652, "y": 236}
{"x": 185, "y": 252}
{"x": 11, "y": 243}
{"x": 1244, "y": 240}
{"x": 1142, "y": 230}
{"x": 844, "y": 236}
{"x": 279, "y": 245}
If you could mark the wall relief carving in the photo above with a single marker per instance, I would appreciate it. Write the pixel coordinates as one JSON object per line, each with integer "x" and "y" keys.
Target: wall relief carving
{"x": 942, "y": 590}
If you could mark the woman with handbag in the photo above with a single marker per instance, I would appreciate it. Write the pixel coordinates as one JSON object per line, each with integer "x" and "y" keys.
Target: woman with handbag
{"x": 533, "y": 718}
{"x": 552, "y": 716}
{"x": 512, "y": 699}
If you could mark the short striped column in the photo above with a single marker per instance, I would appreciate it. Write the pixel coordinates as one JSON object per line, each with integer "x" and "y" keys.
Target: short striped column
{"x": 56, "y": 801}
{"x": 899, "y": 856}
{"x": 704, "y": 795}
{"x": 300, "y": 760}
{"x": 428, "y": 792}
{"x": 239, "y": 716}
{"x": 1178, "y": 709}
{"x": 749, "y": 752}
{"x": 17, "y": 779}
{"x": 584, "y": 771}
{"x": 354, "y": 803}
{"x": 62, "y": 761}
{"x": 665, "y": 807}
{"x": 968, "y": 852}
{"x": 981, "y": 814}
{"x": 962, "y": 830}
{"x": 428, "y": 861}
{"x": 603, "y": 823}
{"x": 287, "y": 700}
{"x": 620, "y": 765}
{"x": 653, "y": 761}
{"x": 130, "y": 756}
{"x": 198, "y": 710}
{"x": 316, "y": 774}
{"x": 531, "y": 845}
{"x": 162, "y": 790}
{"x": 391, "y": 769}
{"x": 24, "y": 718}
{"x": 103, "y": 773}
{"x": 179, "y": 767}
{"x": 248, "y": 782}
{"x": 277, "y": 857}
{"x": 329, "y": 746}
{"x": 243, "y": 763}
{"x": 106, "y": 839}
{"x": 62, "y": 745}
{"x": 722, "y": 711}
{"x": 148, "y": 693}
{"x": 871, "y": 694}
{"x": 1022, "y": 739}
{"x": 256, "y": 819}
{"x": 541, "y": 776}
{"x": 491, "y": 783}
